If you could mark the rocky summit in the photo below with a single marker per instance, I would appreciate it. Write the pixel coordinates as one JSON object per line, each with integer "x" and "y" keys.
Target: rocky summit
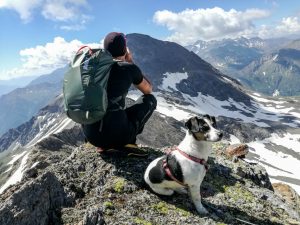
{"x": 73, "y": 184}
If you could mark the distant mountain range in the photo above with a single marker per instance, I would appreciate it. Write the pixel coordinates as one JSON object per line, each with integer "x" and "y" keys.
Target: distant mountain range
{"x": 7, "y": 86}
{"x": 267, "y": 66}
{"x": 19, "y": 105}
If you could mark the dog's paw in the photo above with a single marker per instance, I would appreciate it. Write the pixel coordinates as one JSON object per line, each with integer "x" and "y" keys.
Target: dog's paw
{"x": 202, "y": 210}
{"x": 181, "y": 191}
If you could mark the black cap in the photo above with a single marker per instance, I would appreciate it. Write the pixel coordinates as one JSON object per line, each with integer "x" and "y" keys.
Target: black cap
{"x": 115, "y": 43}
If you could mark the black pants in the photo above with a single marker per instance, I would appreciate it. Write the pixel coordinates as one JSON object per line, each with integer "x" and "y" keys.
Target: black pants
{"x": 119, "y": 128}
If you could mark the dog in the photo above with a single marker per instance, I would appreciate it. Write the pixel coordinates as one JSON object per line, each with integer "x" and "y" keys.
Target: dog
{"x": 185, "y": 166}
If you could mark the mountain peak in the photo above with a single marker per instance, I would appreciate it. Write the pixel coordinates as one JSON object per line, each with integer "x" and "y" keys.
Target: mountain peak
{"x": 157, "y": 58}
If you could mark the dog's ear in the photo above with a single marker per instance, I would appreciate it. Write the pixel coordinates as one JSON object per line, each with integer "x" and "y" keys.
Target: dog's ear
{"x": 212, "y": 119}
{"x": 214, "y": 122}
{"x": 207, "y": 116}
{"x": 192, "y": 124}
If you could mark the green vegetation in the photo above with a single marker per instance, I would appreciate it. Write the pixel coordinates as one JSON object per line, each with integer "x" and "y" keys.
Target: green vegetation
{"x": 182, "y": 212}
{"x": 119, "y": 185}
{"x": 108, "y": 205}
{"x": 141, "y": 221}
{"x": 238, "y": 193}
{"x": 81, "y": 174}
{"x": 161, "y": 207}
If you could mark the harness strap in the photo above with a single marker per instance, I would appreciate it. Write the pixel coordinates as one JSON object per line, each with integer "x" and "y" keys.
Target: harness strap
{"x": 169, "y": 173}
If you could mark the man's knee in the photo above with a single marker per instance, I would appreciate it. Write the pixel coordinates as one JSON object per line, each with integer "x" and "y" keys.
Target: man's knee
{"x": 151, "y": 100}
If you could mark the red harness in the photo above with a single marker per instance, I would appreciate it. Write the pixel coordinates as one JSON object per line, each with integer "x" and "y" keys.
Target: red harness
{"x": 193, "y": 158}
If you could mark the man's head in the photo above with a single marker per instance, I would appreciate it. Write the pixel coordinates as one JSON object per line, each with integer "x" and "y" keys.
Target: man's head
{"x": 115, "y": 43}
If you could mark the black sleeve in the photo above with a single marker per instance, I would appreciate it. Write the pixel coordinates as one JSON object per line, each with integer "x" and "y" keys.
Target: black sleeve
{"x": 136, "y": 74}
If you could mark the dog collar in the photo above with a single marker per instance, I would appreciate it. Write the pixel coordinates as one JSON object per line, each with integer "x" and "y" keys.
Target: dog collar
{"x": 193, "y": 158}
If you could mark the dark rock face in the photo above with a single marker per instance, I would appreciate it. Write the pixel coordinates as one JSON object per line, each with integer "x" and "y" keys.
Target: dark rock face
{"x": 72, "y": 137}
{"x": 93, "y": 216}
{"x": 161, "y": 131}
{"x": 36, "y": 202}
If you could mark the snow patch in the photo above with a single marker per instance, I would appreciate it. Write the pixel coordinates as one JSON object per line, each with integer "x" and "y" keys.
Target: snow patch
{"x": 228, "y": 80}
{"x": 171, "y": 79}
{"x": 34, "y": 164}
{"x": 287, "y": 140}
{"x": 276, "y": 93}
{"x": 172, "y": 110}
{"x": 56, "y": 127}
{"x": 17, "y": 176}
{"x": 16, "y": 157}
{"x": 278, "y": 163}
{"x": 234, "y": 140}
{"x": 256, "y": 94}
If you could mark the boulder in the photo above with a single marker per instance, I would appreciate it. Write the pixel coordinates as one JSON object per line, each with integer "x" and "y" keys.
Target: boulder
{"x": 237, "y": 151}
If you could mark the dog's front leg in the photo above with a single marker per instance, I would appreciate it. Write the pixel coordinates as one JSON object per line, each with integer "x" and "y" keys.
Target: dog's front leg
{"x": 196, "y": 197}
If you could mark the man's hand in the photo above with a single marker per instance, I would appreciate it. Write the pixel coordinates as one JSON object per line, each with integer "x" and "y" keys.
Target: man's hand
{"x": 128, "y": 56}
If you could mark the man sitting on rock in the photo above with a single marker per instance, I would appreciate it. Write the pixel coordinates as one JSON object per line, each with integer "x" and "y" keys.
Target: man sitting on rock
{"x": 120, "y": 126}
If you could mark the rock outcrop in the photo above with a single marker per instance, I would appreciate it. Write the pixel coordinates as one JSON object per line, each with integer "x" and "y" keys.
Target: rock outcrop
{"x": 87, "y": 188}
{"x": 237, "y": 151}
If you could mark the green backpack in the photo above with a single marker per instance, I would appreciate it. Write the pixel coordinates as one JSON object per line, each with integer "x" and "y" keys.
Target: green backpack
{"x": 85, "y": 83}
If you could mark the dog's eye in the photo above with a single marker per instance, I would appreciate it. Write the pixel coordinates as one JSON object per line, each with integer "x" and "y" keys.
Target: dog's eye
{"x": 205, "y": 127}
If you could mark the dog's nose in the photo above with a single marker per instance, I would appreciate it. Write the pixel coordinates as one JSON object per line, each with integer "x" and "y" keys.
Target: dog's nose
{"x": 220, "y": 134}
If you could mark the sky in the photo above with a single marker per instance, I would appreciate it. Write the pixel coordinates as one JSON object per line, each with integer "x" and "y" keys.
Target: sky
{"x": 38, "y": 36}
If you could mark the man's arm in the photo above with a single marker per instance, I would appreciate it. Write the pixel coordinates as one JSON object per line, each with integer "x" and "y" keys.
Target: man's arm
{"x": 145, "y": 86}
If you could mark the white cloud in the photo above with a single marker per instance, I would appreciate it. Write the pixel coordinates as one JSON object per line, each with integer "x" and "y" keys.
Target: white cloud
{"x": 66, "y": 11}
{"x": 23, "y": 7}
{"x": 63, "y": 10}
{"x": 79, "y": 25}
{"x": 212, "y": 23}
{"x": 287, "y": 26}
{"x": 44, "y": 59}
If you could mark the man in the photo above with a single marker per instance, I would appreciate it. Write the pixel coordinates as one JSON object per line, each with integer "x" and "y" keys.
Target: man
{"x": 120, "y": 125}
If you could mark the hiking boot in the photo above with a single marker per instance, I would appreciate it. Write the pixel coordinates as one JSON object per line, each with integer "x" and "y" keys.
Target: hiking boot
{"x": 127, "y": 150}
{"x": 108, "y": 151}
{"x": 134, "y": 150}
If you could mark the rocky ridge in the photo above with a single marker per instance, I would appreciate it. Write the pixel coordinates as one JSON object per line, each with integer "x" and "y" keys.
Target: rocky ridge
{"x": 73, "y": 184}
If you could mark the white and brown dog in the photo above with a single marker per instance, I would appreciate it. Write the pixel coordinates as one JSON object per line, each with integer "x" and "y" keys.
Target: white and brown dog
{"x": 185, "y": 166}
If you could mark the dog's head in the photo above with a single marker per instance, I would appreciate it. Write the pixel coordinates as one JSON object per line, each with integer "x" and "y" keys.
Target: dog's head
{"x": 204, "y": 128}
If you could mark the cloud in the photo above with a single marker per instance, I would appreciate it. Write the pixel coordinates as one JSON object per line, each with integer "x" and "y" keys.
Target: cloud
{"x": 191, "y": 25}
{"x": 63, "y": 11}
{"x": 288, "y": 26}
{"x": 79, "y": 25}
{"x": 23, "y": 7}
{"x": 44, "y": 59}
